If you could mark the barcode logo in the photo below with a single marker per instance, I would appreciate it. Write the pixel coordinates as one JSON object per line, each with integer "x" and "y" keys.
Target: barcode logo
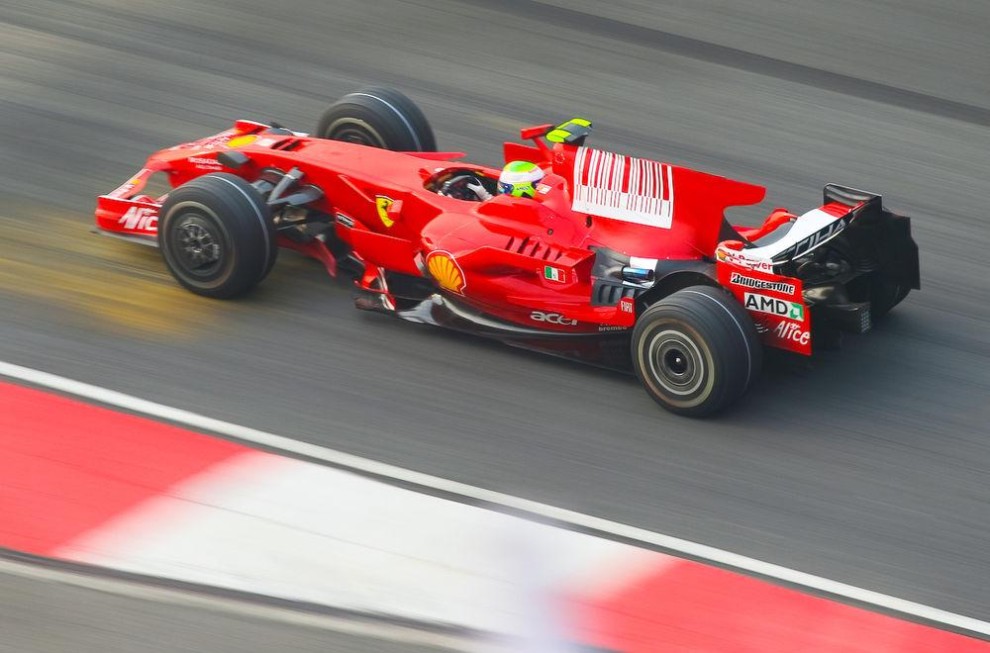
{"x": 623, "y": 188}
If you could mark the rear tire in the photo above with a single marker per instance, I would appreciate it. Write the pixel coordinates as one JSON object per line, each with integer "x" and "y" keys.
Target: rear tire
{"x": 216, "y": 236}
{"x": 379, "y": 117}
{"x": 884, "y": 244}
{"x": 886, "y": 291}
{"x": 696, "y": 351}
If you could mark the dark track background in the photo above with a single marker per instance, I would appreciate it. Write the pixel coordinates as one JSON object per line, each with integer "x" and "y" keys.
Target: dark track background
{"x": 870, "y": 465}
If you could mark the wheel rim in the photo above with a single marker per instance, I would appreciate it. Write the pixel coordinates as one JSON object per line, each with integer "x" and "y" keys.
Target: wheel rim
{"x": 676, "y": 362}
{"x": 198, "y": 246}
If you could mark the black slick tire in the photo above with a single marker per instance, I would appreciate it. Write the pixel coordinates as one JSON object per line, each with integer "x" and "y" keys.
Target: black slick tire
{"x": 886, "y": 291}
{"x": 379, "y": 117}
{"x": 696, "y": 351}
{"x": 217, "y": 236}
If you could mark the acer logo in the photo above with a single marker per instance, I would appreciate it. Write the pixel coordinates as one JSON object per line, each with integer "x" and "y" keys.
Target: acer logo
{"x": 793, "y": 332}
{"x": 140, "y": 219}
{"x": 551, "y": 318}
{"x": 773, "y": 306}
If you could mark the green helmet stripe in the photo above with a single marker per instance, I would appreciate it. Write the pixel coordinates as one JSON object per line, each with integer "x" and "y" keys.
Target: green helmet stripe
{"x": 520, "y": 166}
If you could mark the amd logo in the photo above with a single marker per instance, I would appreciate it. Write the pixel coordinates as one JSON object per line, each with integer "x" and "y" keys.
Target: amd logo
{"x": 765, "y": 304}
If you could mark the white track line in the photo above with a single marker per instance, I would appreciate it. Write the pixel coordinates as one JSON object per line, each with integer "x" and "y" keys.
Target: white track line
{"x": 543, "y": 511}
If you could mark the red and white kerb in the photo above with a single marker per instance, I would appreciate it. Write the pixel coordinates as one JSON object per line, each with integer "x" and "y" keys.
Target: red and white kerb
{"x": 623, "y": 188}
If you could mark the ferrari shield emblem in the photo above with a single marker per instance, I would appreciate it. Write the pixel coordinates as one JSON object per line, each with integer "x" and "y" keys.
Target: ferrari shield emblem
{"x": 383, "y": 203}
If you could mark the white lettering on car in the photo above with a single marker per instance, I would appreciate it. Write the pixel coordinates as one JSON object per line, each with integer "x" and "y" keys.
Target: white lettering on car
{"x": 139, "y": 218}
{"x": 551, "y": 318}
{"x": 809, "y": 243}
{"x": 765, "y": 304}
{"x": 761, "y": 284}
{"x": 739, "y": 258}
{"x": 793, "y": 332}
{"x": 205, "y": 163}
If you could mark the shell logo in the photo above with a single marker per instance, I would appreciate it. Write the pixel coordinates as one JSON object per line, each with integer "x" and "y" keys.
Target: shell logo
{"x": 445, "y": 270}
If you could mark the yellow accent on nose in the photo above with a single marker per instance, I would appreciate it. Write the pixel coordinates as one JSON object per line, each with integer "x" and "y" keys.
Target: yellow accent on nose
{"x": 241, "y": 141}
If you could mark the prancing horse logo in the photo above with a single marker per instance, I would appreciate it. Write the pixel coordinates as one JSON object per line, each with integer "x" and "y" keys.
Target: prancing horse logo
{"x": 383, "y": 204}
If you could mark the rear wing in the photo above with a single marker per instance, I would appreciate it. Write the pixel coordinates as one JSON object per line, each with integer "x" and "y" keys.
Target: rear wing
{"x": 888, "y": 233}
{"x": 851, "y": 197}
{"x": 841, "y": 207}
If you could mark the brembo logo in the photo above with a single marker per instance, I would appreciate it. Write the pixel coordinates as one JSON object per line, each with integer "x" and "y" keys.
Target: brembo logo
{"x": 773, "y": 306}
{"x": 761, "y": 284}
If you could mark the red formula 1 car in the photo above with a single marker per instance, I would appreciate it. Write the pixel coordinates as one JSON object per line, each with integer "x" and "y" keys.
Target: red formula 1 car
{"x": 617, "y": 260}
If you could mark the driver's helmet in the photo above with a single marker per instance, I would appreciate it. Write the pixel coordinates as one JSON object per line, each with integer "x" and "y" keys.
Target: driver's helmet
{"x": 519, "y": 179}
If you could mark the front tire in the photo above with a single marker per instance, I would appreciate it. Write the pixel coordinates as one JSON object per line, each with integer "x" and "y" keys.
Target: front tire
{"x": 379, "y": 117}
{"x": 217, "y": 236}
{"x": 696, "y": 351}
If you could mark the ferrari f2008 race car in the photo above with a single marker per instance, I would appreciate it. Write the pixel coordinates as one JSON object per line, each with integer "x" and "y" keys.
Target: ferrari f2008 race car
{"x": 616, "y": 260}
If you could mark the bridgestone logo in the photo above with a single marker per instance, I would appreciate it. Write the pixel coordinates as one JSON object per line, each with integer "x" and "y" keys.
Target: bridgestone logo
{"x": 761, "y": 284}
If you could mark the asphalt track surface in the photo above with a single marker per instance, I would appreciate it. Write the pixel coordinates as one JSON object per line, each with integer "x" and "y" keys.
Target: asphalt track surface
{"x": 50, "y": 611}
{"x": 868, "y": 466}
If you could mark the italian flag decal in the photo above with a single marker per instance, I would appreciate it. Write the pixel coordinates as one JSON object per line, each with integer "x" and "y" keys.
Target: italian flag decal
{"x": 553, "y": 274}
